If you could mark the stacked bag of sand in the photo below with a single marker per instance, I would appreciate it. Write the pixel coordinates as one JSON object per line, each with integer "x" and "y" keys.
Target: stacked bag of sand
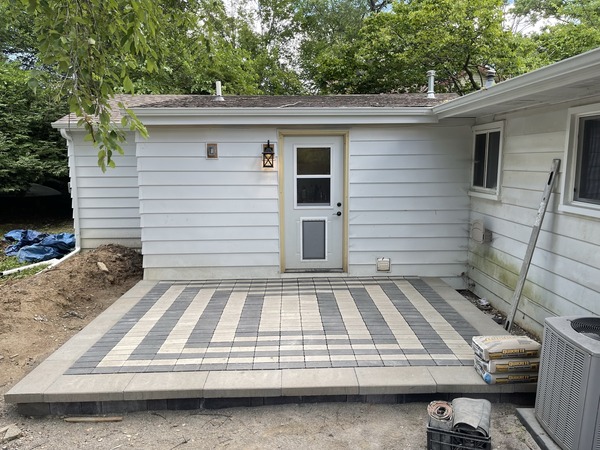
{"x": 506, "y": 359}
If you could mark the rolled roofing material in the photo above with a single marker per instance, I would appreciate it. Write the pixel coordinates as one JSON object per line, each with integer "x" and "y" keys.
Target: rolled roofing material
{"x": 440, "y": 415}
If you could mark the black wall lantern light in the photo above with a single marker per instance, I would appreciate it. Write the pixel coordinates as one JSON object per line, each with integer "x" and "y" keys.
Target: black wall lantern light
{"x": 268, "y": 155}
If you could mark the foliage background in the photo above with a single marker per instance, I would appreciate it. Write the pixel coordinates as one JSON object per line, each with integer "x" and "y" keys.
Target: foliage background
{"x": 60, "y": 56}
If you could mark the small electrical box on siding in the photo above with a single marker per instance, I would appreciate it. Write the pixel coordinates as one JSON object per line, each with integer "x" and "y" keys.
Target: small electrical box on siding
{"x": 383, "y": 265}
{"x": 212, "y": 151}
{"x": 479, "y": 234}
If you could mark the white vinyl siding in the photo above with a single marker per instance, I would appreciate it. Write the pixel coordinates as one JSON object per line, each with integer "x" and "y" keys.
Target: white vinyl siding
{"x": 208, "y": 218}
{"x": 408, "y": 199}
{"x": 106, "y": 204}
{"x": 564, "y": 278}
{"x": 219, "y": 218}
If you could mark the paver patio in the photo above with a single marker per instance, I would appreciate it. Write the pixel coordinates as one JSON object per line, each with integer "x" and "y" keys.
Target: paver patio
{"x": 179, "y": 344}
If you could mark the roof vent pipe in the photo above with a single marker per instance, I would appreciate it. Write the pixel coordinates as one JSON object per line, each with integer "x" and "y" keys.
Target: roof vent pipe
{"x": 219, "y": 94}
{"x": 430, "y": 84}
{"x": 490, "y": 78}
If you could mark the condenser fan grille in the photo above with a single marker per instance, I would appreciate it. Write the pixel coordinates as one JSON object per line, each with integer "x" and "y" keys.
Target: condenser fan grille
{"x": 588, "y": 326}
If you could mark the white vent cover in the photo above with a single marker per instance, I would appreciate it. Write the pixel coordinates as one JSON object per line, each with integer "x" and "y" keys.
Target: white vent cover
{"x": 383, "y": 265}
{"x": 568, "y": 395}
{"x": 479, "y": 234}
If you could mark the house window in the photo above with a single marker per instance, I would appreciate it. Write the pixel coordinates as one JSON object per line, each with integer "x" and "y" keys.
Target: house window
{"x": 487, "y": 155}
{"x": 587, "y": 187}
{"x": 581, "y": 181}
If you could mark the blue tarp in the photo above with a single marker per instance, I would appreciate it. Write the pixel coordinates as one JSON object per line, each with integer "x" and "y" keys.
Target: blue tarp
{"x": 33, "y": 246}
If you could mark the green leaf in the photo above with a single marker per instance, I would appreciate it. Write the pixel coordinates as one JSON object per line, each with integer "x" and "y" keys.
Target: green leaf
{"x": 128, "y": 85}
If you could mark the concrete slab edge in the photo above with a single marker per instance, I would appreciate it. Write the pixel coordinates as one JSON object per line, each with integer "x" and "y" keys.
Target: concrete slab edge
{"x": 50, "y": 385}
{"x": 529, "y": 421}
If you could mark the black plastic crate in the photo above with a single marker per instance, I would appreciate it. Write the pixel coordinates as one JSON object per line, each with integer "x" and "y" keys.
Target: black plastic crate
{"x": 438, "y": 439}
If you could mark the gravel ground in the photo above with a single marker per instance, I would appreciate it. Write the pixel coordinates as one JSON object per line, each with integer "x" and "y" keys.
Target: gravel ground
{"x": 306, "y": 426}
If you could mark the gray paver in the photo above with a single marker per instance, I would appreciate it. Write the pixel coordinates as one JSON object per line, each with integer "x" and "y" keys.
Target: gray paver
{"x": 110, "y": 361}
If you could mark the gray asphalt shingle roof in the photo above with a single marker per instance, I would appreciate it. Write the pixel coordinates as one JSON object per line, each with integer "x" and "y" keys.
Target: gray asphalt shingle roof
{"x": 272, "y": 102}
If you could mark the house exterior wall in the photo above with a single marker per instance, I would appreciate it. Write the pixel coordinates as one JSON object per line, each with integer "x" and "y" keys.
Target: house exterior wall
{"x": 207, "y": 218}
{"x": 564, "y": 277}
{"x": 204, "y": 218}
{"x": 408, "y": 199}
{"x": 105, "y": 205}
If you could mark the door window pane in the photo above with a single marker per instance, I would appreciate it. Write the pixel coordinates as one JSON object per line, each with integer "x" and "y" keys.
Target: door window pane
{"x": 314, "y": 161}
{"x": 313, "y": 176}
{"x": 314, "y": 191}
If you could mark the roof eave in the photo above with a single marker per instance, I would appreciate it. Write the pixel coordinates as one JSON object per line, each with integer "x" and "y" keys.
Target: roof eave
{"x": 556, "y": 76}
{"x": 275, "y": 116}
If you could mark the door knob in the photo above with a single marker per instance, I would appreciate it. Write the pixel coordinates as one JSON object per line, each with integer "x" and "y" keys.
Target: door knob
{"x": 339, "y": 213}
{"x": 339, "y": 204}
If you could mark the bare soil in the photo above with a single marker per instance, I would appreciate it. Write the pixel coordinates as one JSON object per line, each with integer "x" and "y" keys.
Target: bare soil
{"x": 41, "y": 312}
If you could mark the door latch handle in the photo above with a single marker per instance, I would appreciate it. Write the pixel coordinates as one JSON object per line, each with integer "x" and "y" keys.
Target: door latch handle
{"x": 339, "y": 213}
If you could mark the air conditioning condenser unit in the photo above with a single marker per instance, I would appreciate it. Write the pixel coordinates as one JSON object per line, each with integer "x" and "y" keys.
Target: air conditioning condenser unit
{"x": 567, "y": 404}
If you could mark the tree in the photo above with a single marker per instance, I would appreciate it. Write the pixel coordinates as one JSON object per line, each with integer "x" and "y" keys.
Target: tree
{"x": 30, "y": 151}
{"x": 568, "y": 27}
{"x": 330, "y": 30}
{"x": 456, "y": 38}
{"x": 202, "y": 44}
{"x": 95, "y": 45}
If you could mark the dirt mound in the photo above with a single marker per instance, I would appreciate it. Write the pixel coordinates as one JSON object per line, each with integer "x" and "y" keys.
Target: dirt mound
{"x": 40, "y": 312}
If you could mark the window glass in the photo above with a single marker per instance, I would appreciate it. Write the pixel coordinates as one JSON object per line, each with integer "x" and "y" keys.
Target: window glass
{"x": 313, "y": 176}
{"x": 479, "y": 160}
{"x": 314, "y": 161}
{"x": 314, "y": 191}
{"x": 588, "y": 185}
{"x": 493, "y": 158}
{"x": 486, "y": 160}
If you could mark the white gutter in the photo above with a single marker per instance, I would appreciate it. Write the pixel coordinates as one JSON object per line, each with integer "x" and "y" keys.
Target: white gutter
{"x": 555, "y": 76}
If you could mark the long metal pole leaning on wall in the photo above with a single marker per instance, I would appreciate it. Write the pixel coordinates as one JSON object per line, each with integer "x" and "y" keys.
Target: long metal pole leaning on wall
{"x": 535, "y": 232}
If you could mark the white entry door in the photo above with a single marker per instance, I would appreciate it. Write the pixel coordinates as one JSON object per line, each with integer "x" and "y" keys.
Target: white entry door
{"x": 313, "y": 203}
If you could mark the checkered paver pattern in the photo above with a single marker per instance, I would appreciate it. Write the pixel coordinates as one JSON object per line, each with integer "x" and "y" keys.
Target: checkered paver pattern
{"x": 283, "y": 324}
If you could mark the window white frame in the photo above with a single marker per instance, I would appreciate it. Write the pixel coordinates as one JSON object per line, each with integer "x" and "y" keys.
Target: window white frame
{"x": 569, "y": 203}
{"x": 329, "y": 177}
{"x": 479, "y": 191}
